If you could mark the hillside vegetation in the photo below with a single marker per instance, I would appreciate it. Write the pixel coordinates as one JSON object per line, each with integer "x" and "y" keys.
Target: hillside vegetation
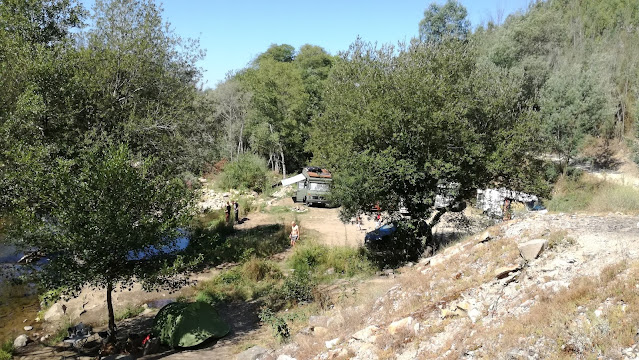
{"x": 106, "y": 134}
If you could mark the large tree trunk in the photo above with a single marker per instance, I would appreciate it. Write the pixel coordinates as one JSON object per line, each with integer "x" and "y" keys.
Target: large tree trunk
{"x": 112, "y": 328}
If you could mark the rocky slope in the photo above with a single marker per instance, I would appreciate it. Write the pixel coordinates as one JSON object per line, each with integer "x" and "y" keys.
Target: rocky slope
{"x": 548, "y": 286}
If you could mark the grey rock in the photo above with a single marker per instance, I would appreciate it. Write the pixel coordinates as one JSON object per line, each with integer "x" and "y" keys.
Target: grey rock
{"x": 20, "y": 341}
{"x": 531, "y": 249}
{"x": 254, "y": 353}
{"x": 54, "y": 313}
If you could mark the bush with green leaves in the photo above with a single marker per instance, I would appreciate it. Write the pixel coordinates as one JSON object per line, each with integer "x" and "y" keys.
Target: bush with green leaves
{"x": 248, "y": 172}
{"x": 277, "y": 323}
{"x": 6, "y": 350}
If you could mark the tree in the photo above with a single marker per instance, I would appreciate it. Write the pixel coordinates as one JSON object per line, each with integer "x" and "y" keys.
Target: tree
{"x": 38, "y": 21}
{"x": 573, "y": 105}
{"x": 276, "y": 119}
{"x": 279, "y": 53}
{"x": 442, "y": 22}
{"x": 108, "y": 221}
{"x": 400, "y": 123}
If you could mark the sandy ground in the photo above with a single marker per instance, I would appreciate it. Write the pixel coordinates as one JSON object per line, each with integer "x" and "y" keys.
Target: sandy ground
{"x": 321, "y": 223}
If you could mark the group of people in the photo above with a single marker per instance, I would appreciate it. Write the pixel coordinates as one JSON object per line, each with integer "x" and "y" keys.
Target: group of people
{"x": 236, "y": 208}
{"x": 378, "y": 221}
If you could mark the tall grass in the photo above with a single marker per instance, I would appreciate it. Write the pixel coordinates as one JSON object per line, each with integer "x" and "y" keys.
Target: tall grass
{"x": 345, "y": 261}
{"x": 585, "y": 193}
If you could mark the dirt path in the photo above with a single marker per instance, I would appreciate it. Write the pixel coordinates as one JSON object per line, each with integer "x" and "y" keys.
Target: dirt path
{"x": 323, "y": 223}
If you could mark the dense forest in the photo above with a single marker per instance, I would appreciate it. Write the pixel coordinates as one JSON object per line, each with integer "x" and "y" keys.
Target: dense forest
{"x": 102, "y": 120}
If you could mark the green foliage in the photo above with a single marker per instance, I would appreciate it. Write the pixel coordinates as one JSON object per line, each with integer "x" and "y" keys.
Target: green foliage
{"x": 128, "y": 312}
{"x": 442, "y": 22}
{"x": 4, "y": 355}
{"x": 573, "y": 106}
{"x": 6, "y": 350}
{"x": 399, "y": 122}
{"x": 253, "y": 279}
{"x": 106, "y": 215}
{"x": 298, "y": 287}
{"x": 317, "y": 259}
{"x": 258, "y": 269}
{"x": 248, "y": 171}
{"x": 277, "y": 323}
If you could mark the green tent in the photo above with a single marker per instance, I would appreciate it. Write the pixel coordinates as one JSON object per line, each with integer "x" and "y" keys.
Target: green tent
{"x": 188, "y": 324}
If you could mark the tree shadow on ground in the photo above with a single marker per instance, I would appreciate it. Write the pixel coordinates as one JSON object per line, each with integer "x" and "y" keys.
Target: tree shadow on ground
{"x": 228, "y": 245}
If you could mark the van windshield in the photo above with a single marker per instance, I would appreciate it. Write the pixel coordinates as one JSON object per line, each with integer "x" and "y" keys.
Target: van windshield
{"x": 319, "y": 187}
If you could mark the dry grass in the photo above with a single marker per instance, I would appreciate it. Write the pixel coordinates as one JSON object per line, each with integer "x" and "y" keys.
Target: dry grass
{"x": 590, "y": 194}
{"x": 568, "y": 323}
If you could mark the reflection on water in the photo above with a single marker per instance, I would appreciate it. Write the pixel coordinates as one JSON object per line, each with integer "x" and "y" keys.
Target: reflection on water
{"x": 8, "y": 254}
{"x": 17, "y": 303}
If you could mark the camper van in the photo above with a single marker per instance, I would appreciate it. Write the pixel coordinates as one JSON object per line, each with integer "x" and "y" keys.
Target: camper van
{"x": 315, "y": 187}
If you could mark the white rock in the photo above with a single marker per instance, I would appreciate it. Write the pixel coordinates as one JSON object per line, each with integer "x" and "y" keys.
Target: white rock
{"x": 20, "y": 341}
{"x": 474, "y": 315}
{"x": 28, "y": 328}
{"x": 366, "y": 334}
{"x": 285, "y": 357}
{"x": 331, "y": 343}
{"x": 399, "y": 325}
{"x": 598, "y": 313}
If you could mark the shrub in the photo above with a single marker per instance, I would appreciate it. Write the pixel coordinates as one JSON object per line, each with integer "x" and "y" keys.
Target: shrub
{"x": 308, "y": 255}
{"x": 259, "y": 269}
{"x": 249, "y": 171}
{"x": 298, "y": 287}
{"x": 277, "y": 323}
{"x": 6, "y": 350}
{"x": 5, "y": 355}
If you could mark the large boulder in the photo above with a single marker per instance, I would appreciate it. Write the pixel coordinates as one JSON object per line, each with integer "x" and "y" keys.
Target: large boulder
{"x": 367, "y": 334}
{"x": 531, "y": 249}
{"x": 21, "y": 341}
{"x": 55, "y": 312}
{"x": 400, "y": 325}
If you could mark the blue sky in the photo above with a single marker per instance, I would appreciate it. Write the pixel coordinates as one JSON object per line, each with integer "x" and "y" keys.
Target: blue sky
{"x": 235, "y": 32}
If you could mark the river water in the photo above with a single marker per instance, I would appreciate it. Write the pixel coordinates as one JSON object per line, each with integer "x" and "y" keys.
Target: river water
{"x": 17, "y": 302}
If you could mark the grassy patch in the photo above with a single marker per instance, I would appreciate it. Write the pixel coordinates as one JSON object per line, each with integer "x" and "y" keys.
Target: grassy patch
{"x": 60, "y": 333}
{"x": 129, "y": 312}
{"x": 585, "y": 193}
{"x": 6, "y": 350}
{"x": 251, "y": 280}
{"x": 217, "y": 246}
{"x": 344, "y": 261}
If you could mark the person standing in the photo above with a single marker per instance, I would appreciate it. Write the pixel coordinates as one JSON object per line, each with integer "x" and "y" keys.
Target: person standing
{"x": 358, "y": 220}
{"x": 295, "y": 233}
{"x": 236, "y": 208}
{"x": 227, "y": 211}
